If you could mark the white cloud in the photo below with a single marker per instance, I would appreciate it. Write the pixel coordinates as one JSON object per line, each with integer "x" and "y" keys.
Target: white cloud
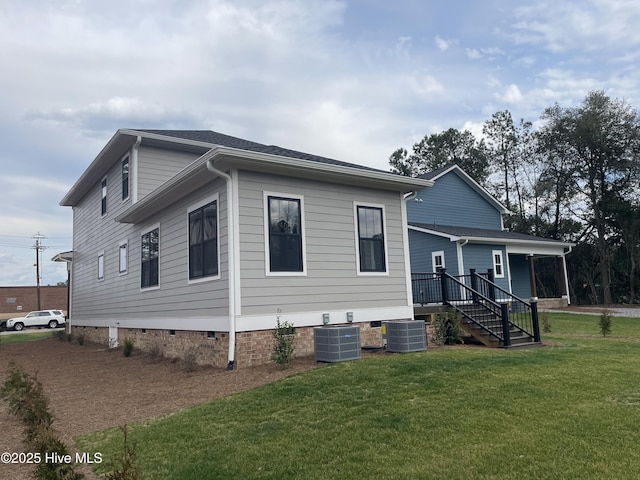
{"x": 441, "y": 43}
{"x": 511, "y": 95}
{"x": 473, "y": 54}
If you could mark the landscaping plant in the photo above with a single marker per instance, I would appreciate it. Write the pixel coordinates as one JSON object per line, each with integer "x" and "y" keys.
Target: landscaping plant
{"x": 283, "y": 334}
{"x": 127, "y": 347}
{"x": 27, "y": 401}
{"x": 446, "y": 328}
{"x": 605, "y": 323}
{"x": 127, "y": 466}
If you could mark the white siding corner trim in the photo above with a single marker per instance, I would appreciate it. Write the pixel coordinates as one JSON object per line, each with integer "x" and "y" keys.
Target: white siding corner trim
{"x": 303, "y": 229}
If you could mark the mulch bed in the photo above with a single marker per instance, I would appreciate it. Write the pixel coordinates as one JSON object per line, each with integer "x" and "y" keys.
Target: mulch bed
{"x": 91, "y": 388}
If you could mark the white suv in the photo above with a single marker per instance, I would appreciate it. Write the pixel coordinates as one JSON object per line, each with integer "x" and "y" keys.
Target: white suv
{"x": 40, "y": 318}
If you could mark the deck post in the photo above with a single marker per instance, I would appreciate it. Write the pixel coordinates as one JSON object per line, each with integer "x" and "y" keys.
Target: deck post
{"x": 505, "y": 325}
{"x": 474, "y": 284}
{"x": 443, "y": 285}
{"x": 536, "y": 323}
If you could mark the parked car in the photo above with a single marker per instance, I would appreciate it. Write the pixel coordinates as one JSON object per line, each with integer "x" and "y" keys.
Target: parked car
{"x": 40, "y": 318}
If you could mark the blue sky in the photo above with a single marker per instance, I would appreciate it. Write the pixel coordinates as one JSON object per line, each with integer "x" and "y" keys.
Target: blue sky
{"x": 352, "y": 80}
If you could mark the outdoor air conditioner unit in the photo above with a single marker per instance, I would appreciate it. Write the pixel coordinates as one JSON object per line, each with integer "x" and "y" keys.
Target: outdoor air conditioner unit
{"x": 336, "y": 343}
{"x": 406, "y": 336}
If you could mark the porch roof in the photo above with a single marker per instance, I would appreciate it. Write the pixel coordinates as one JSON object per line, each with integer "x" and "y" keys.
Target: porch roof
{"x": 517, "y": 242}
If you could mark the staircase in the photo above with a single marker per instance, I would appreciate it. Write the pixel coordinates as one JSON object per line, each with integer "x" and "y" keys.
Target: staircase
{"x": 490, "y": 314}
{"x": 486, "y": 327}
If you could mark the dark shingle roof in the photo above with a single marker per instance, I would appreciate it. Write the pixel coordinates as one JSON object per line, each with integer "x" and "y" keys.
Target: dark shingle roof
{"x": 434, "y": 173}
{"x": 457, "y": 231}
{"x": 215, "y": 138}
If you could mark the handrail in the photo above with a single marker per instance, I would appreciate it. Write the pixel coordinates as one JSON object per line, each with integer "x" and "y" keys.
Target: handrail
{"x": 482, "y": 304}
{"x": 523, "y": 315}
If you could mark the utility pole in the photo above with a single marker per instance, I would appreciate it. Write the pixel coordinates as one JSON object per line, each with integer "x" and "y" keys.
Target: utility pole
{"x": 38, "y": 248}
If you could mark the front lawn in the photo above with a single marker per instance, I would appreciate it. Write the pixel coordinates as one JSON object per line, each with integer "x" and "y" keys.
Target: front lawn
{"x": 25, "y": 337}
{"x": 567, "y": 411}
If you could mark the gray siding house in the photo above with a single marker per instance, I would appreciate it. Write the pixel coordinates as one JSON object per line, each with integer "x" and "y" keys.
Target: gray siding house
{"x": 457, "y": 225}
{"x": 197, "y": 242}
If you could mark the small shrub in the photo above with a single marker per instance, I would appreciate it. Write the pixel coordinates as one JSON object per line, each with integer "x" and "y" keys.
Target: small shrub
{"x": 126, "y": 467}
{"x": 155, "y": 351}
{"x": 27, "y": 401}
{"x": 61, "y": 335}
{"x": 605, "y": 323}
{"x": 446, "y": 328}
{"x": 283, "y": 334}
{"x": 80, "y": 339}
{"x": 189, "y": 362}
{"x": 546, "y": 323}
{"x": 127, "y": 347}
{"x": 69, "y": 337}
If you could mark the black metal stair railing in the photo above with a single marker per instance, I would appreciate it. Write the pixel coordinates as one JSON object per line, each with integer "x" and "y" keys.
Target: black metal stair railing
{"x": 523, "y": 316}
{"x": 483, "y": 312}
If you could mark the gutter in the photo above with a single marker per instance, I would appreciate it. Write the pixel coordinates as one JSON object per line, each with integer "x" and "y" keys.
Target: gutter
{"x": 232, "y": 259}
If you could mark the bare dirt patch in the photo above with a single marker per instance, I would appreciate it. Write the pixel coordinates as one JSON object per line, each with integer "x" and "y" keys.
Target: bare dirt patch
{"x": 91, "y": 388}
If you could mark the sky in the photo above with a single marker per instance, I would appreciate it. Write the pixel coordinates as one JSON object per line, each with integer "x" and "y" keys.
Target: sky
{"x": 347, "y": 79}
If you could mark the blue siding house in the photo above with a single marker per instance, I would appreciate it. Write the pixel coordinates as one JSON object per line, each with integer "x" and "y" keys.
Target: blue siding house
{"x": 457, "y": 225}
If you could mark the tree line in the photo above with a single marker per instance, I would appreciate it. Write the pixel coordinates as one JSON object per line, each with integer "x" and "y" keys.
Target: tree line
{"x": 571, "y": 176}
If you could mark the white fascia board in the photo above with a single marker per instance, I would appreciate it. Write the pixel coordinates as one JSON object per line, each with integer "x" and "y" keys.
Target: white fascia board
{"x": 515, "y": 245}
{"x": 293, "y": 166}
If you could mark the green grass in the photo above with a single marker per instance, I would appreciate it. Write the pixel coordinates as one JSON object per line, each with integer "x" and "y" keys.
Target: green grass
{"x": 25, "y": 337}
{"x": 569, "y": 411}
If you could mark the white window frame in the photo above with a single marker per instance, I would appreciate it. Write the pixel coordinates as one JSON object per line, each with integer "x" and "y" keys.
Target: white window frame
{"x": 144, "y": 232}
{"x": 125, "y": 244}
{"x": 494, "y": 254}
{"x": 212, "y": 198}
{"x": 381, "y": 206}
{"x": 104, "y": 196}
{"x": 267, "y": 256}
{"x": 101, "y": 266}
{"x": 126, "y": 157}
{"x": 434, "y": 255}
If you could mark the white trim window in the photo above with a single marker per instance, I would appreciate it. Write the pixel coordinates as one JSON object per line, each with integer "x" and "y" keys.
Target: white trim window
{"x": 123, "y": 257}
{"x": 437, "y": 260}
{"x": 150, "y": 259}
{"x": 103, "y": 195}
{"x": 125, "y": 169}
{"x": 498, "y": 264}
{"x": 285, "y": 250}
{"x": 101, "y": 266}
{"x": 371, "y": 239}
{"x": 203, "y": 237}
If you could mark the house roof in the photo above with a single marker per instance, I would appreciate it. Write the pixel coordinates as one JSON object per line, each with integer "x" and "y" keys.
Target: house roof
{"x": 481, "y": 235}
{"x": 434, "y": 175}
{"x": 214, "y": 138}
{"x": 229, "y": 152}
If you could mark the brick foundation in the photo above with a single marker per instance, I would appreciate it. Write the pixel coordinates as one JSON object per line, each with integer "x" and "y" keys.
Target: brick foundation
{"x": 212, "y": 348}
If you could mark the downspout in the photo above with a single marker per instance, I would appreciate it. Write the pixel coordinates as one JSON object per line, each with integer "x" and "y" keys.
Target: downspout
{"x": 231, "y": 261}
{"x": 133, "y": 176}
{"x": 566, "y": 277}
{"x": 407, "y": 255}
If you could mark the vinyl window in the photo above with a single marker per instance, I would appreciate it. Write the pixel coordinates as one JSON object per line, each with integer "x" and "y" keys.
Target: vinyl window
{"x": 203, "y": 241}
{"x": 150, "y": 255}
{"x": 285, "y": 235}
{"x": 371, "y": 242}
{"x": 125, "y": 178}
{"x": 498, "y": 266}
